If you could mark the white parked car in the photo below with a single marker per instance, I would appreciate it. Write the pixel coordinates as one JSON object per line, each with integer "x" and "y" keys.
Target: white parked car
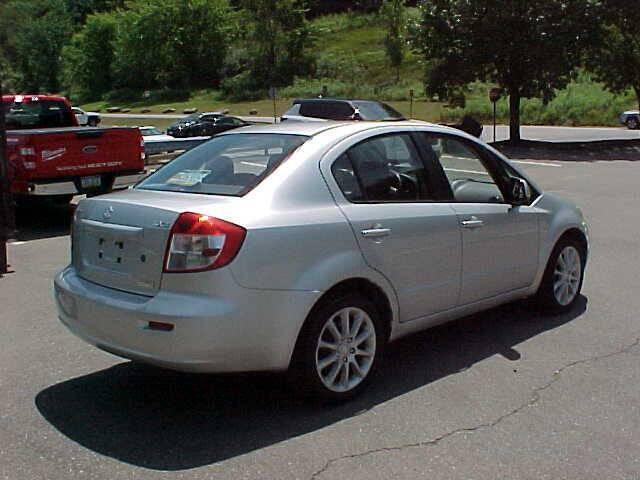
{"x": 309, "y": 246}
{"x": 91, "y": 119}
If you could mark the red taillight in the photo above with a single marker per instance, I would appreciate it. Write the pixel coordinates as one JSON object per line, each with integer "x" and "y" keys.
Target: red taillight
{"x": 198, "y": 242}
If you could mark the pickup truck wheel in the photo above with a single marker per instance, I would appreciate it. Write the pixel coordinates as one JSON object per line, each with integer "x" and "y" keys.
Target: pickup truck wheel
{"x": 60, "y": 200}
{"x": 633, "y": 123}
{"x": 92, "y": 122}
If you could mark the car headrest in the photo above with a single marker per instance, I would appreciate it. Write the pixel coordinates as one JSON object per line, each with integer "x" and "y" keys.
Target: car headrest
{"x": 274, "y": 160}
{"x": 222, "y": 167}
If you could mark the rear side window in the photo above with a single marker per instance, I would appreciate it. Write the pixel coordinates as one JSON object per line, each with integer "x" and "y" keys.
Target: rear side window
{"x": 346, "y": 179}
{"x": 378, "y": 111}
{"x": 37, "y": 114}
{"x": 387, "y": 168}
{"x": 225, "y": 165}
{"x": 327, "y": 110}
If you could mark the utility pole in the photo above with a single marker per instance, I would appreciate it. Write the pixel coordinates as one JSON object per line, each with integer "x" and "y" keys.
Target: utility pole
{"x": 6, "y": 210}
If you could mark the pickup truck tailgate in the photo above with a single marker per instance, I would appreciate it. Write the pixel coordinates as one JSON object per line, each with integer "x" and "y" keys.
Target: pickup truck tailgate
{"x": 77, "y": 151}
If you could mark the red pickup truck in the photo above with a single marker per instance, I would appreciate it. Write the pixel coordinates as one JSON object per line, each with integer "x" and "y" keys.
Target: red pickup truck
{"x": 49, "y": 155}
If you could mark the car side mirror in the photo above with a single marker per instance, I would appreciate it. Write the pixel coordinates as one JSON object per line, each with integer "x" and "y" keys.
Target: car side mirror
{"x": 518, "y": 191}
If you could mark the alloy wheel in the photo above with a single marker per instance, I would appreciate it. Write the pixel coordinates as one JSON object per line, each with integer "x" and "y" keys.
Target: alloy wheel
{"x": 346, "y": 349}
{"x": 566, "y": 275}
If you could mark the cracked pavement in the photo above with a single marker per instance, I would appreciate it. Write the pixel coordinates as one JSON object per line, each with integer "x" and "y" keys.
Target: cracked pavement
{"x": 503, "y": 394}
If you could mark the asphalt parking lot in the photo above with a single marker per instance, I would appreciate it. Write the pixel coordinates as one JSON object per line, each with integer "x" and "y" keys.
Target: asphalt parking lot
{"x": 503, "y": 394}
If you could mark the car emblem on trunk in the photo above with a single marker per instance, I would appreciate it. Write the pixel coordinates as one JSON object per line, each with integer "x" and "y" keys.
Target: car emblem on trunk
{"x": 108, "y": 213}
{"x": 90, "y": 149}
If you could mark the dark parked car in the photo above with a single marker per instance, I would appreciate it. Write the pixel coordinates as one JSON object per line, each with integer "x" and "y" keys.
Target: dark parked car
{"x": 313, "y": 109}
{"x": 204, "y": 125}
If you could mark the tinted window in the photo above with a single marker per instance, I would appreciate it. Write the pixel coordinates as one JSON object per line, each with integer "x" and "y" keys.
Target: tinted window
{"x": 346, "y": 179}
{"x": 377, "y": 111}
{"x": 225, "y": 165}
{"x": 469, "y": 178}
{"x": 229, "y": 121}
{"x": 37, "y": 114}
{"x": 388, "y": 169}
{"x": 327, "y": 109}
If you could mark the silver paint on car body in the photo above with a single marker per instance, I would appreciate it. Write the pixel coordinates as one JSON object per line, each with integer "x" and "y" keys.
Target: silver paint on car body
{"x": 303, "y": 237}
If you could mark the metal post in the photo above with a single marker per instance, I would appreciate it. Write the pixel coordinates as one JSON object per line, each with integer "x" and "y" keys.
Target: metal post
{"x": 410, "y": 104}
{"x": 6, "y": 213}
{"x": 494, "y": 122}
{"x": 273, "y": 93}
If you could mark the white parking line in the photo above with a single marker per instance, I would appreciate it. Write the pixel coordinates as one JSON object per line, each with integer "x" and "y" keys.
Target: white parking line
{"x": 465, "y": 171}
{"x": 541, "y": 164}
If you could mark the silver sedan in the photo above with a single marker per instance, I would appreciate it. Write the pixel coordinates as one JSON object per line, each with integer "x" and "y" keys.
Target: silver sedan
{"x": 308, "y": 247}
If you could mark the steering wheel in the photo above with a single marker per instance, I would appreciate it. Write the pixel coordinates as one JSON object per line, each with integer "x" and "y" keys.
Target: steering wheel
{"x": 407, "y": 186}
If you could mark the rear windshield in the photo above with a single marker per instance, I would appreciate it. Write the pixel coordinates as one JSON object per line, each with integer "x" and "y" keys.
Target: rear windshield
{"x": 37, "y": 114}
{"x": 377, "y": 111}
{"x": 225, "y": 165}
{"x": 327, "y": 110}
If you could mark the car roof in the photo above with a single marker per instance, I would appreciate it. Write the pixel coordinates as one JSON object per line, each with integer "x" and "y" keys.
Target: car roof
{"x": 314, "y": 128}
{"x": 328, "y": 99}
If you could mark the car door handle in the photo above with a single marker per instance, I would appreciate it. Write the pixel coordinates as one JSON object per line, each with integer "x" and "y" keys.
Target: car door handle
{"x": 376, "y": 232}
{"x": 473, "y": 222}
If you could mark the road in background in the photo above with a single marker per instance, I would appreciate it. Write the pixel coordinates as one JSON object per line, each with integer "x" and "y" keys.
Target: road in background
{"x": 562, "y": 134}
{"x": 503, "y": 394}
{"x": 176, "y": 116}
{"x": 543, "y": 133}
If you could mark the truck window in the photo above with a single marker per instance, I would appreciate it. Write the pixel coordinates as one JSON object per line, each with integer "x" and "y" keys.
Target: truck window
{"x": 37, "y": 114}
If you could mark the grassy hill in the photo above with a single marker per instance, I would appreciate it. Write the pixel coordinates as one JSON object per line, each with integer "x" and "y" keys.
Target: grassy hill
{"x": 351, "y": 62}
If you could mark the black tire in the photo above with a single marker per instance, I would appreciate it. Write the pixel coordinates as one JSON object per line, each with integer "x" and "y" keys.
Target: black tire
{"x": 546, "y": 299}
{"x": 633, "y": 123}
{"x": 304, "y": 376}
{"x": 60, "y": 200}
{"x": 92, "y": 122}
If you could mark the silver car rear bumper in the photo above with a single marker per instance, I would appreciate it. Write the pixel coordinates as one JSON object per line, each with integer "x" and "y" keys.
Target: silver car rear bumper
{"x": 249, "y": 331}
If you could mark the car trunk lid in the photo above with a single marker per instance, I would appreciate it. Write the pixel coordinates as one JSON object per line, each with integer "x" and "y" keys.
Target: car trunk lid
{"x": 120, "y": 240}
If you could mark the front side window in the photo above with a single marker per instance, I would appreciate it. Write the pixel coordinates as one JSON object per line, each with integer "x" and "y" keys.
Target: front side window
{"x": 225, "y": 165}
{"x": 469, "y": 178}
{"x": 387, "y": 168}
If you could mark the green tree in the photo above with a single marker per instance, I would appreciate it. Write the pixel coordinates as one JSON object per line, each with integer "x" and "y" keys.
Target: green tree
{"x": 616, "y": 59}
{"x": 44, "y": 27}
{"x": 395, "y": 18}
{"x": 277, "y": 42}
{"x": 171, "y": 43}
{"x": 528, "y": 47}
{"x": 87, "y": 58}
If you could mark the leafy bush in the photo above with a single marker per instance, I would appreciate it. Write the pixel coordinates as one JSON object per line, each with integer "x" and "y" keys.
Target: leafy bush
{"x": 44, "y": 28}
{"x": 171, "y": 43}
{"x": 582, "y": 103}
{"x": 87, "y": 58}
